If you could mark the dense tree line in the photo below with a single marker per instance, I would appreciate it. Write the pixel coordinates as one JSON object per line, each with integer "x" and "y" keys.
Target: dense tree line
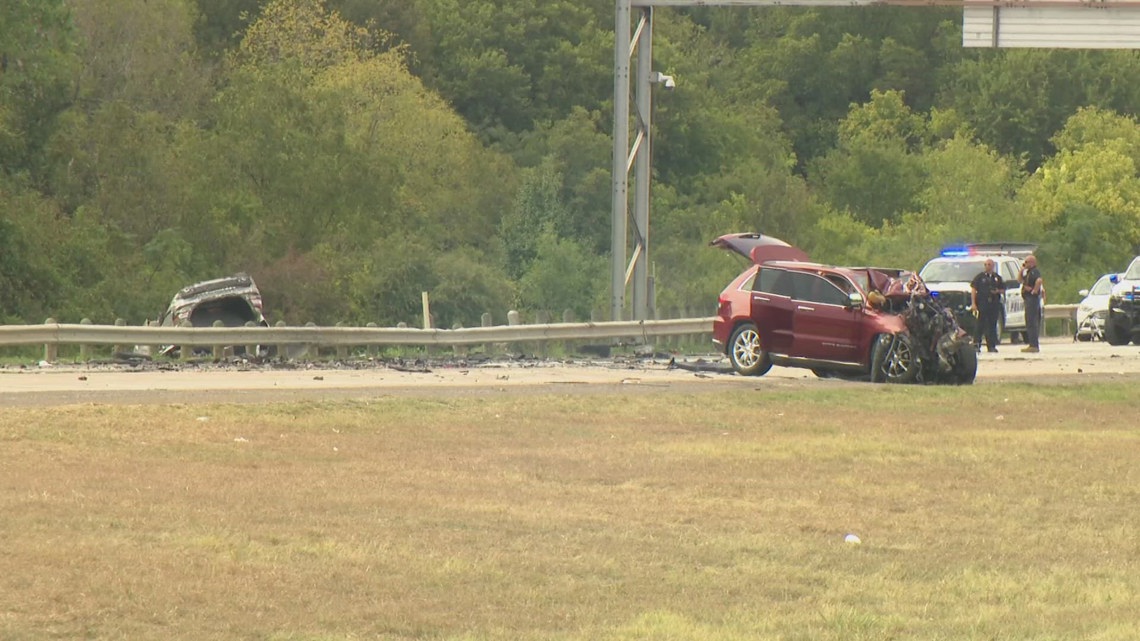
{"x": 351, "y": 154}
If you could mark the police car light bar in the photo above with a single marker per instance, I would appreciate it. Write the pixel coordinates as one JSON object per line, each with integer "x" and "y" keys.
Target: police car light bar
{"x": 1020, "y": 250}
{"x": 956, "y": 252}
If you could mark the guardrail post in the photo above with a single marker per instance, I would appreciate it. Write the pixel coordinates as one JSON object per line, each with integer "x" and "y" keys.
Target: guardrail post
{"x": 401, "y": 325}
{"x": 687, "y": 339}
{"x": 118, "y": 349}
{"x": 341, "y": 350}
{"x": 282, "y": 350}
{"x": 186, "y": 352}
{"x": 541, "y": 318}
{"x": 51, "y": 350}
{"x": 312, "y": 350}
{"x": 568, "y": 317}
{"x": 219, "y": 350}
{"x": 485, "y": 321}
{"x": 512, "y": 320}
{"x": 251, "y": 350}
{"x": 372, "y": 349}
{"x": 458, "y": 350}
{"x": 84, "y": 349}
{"x": 152, "y": 349}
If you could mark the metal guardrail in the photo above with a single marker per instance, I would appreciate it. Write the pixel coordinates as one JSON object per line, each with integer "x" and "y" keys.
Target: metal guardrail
{"x": 72, "y": 334}
{"x": 1060, "y": 311}
{"x": 82, "y": 334}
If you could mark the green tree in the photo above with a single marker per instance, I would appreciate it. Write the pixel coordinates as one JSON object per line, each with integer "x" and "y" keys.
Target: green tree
{"x": 578, "y": 148}
{"x": 506, "y": 65}
{"x": 876, "y": 171}
{"x": 538, "y": 210}
{"x": 970, "y": 189}
{"x": 1017, "y": 99}
{"x": 37, "y": 62}
{"x": 143, "y": 55}
{"x": 563, "y": 275}
{"x": 324, "y": 142}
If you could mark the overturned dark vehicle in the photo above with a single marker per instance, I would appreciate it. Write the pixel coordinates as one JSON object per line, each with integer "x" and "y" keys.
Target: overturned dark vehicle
{"x": 233, "y": 300}
{"x": 881, "y": 324}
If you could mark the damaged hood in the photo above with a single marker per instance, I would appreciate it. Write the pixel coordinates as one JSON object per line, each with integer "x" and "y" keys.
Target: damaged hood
{"x": 760, "y": 248}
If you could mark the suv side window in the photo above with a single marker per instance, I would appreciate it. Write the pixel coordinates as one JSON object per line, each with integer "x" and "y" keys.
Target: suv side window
{"x": 766, "y": 280}
{"x": 776, "y": 282}
{"x": 813, "y": 289}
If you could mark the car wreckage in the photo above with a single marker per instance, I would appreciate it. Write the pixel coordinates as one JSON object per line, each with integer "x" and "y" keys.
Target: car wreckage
{"x": 233, "y": 300}
{"x": 868, "y": 323}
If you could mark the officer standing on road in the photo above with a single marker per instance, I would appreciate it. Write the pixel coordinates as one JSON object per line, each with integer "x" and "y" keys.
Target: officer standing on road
{"x": 1032, "y": 289}
{"x": 986, "y": 291}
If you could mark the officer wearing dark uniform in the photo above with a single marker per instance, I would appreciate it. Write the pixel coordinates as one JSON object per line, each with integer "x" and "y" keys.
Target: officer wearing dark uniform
{"x": 986, "y": 292}
{"x": 1032, "y": 290}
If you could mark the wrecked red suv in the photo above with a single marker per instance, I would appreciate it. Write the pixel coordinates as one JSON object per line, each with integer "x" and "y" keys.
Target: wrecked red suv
{"x": 871, "y": 323}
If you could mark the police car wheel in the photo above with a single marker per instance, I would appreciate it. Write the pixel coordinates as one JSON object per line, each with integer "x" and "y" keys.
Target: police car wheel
{"x": 1113, "y": 332}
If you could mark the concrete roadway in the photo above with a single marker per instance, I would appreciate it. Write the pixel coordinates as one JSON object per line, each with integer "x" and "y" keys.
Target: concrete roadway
{"x": 1060, "y": 360}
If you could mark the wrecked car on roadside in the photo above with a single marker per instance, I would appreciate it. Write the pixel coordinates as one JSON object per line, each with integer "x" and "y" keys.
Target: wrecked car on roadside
{"x": 233, "y": 300}
{"x": 875, "y": 323}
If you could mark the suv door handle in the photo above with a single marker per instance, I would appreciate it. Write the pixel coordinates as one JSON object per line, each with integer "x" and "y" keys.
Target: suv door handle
{"x": 804, "y": 308}
{"x": 763, "y": 299}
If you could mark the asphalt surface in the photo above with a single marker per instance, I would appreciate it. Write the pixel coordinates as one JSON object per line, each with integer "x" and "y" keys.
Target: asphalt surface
{"x": 1060, "y": 361}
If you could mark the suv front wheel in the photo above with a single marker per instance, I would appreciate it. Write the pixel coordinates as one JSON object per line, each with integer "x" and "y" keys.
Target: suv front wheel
{"x": 745, "y": 352}
{"x": 893, "y": 360}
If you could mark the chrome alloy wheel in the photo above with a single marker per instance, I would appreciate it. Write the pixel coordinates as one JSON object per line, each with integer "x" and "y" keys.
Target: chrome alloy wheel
{"x": 746, "y": 348}
{"x": 899, "y": 361}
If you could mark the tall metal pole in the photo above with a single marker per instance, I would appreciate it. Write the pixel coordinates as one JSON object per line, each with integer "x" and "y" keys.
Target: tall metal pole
{"x": 620, "y": 210}
{"x": 642, "y": 169}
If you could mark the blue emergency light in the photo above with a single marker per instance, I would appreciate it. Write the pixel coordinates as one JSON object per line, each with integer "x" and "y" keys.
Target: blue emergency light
{"x": 957, "y": 252}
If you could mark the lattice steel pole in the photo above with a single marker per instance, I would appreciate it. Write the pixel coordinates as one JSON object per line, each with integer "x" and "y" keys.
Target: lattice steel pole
{"x": 620, "y": 211}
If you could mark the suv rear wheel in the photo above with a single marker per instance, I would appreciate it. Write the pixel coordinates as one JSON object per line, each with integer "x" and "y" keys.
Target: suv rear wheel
{"x": 893, "y": 360}
{"x": 745, "y": 352}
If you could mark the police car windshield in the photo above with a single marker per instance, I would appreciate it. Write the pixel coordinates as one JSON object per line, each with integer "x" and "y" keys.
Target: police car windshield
{"x": 1133, "y": 272}
{"x": 1102, "y": 287}
{"x": 951, "y": 271}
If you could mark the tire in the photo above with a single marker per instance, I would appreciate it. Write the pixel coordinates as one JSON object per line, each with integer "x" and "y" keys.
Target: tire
{"x": 1113, "y": 334}
{"x": 893, "y": 360}
{"x": 823, "y": 373}
{"x": 745, "y": 353}
{"x": 966, "y": 367}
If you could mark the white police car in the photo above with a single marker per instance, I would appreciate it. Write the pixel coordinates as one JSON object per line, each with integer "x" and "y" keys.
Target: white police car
{"x": 1123, "y": 321}
{"x": 1092, "y": 312}
{"x": 949, "y": 276}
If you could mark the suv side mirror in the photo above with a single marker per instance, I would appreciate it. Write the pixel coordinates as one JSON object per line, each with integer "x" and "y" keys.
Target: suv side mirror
{"x": 854, "y": 300}
{"x": 1083, "y": 292}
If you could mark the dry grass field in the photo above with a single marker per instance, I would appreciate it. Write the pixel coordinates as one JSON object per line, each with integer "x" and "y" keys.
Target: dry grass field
{"x": 990, "y": 512}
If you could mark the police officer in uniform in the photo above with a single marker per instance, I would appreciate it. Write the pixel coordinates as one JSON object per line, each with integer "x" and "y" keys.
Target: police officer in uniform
{"x": 986, "y": 292}
{"x": 1032, "y": 290}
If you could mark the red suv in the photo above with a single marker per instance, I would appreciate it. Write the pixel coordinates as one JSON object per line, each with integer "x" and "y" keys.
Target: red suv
{"x": 857, "y": 322}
